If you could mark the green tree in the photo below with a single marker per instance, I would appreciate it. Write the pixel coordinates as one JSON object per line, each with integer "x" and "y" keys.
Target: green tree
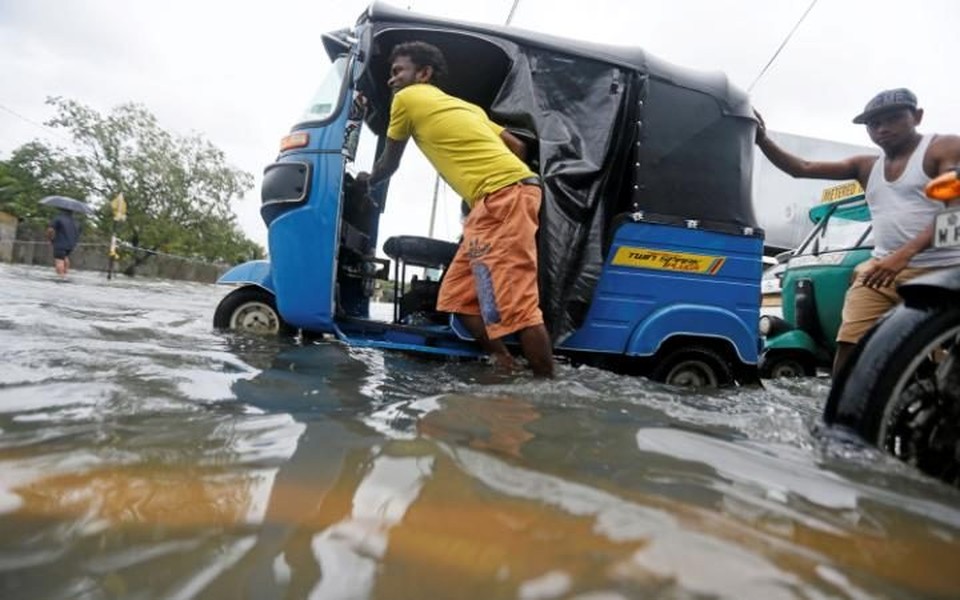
{"x": 178, "y": 189}
{"x": 32, "y": 172}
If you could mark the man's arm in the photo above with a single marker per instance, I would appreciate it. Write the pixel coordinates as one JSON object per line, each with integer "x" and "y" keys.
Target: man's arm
{"x": 50, "y": 233}
{"x": 516, "y": 145}
{"x": 386, "y": 165}
{"x": 855, "y": 167}
{"x": 945, "y": 151}
{"x": 883, "y": 271}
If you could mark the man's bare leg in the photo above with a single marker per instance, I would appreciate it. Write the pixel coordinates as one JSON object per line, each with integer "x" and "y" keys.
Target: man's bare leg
{"x": 843, "y": 354}
{"x": 60, "y": 266}
{"x": 535, "y": 342}
{"x": 495, "y": 348}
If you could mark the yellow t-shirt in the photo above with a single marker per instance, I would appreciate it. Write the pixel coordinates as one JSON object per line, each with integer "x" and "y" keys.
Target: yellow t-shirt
{"x": 458, "y": 138}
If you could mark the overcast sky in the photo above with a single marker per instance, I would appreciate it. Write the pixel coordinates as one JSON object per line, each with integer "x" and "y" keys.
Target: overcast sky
{"x": 239, "y": 73}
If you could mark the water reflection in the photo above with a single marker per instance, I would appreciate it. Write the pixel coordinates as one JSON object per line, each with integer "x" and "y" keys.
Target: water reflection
{"x": 508, "y": 493}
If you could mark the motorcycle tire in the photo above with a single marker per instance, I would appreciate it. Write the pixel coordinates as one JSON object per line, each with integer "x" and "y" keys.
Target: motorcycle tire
{"x": 890, "y": 396}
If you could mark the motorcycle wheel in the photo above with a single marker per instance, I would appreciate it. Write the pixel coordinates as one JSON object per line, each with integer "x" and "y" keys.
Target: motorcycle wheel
{"x": 903, "y": 392}
{"x": 249, "y": 309}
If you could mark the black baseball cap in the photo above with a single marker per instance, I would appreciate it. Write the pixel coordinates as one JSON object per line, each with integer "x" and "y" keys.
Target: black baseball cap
{"x": 886, "y": 101}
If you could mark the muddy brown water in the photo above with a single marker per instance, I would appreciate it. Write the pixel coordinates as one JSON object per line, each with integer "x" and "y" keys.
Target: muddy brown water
{"x": 144, "y": 455}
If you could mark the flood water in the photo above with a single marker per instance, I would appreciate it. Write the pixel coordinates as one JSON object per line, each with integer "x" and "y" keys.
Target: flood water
{"x": 144, "y": 455}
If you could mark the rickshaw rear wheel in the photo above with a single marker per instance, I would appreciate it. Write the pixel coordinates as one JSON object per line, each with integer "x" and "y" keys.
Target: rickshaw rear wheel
{"x": 250, "y": 309}
{"x": 693, "y": 366}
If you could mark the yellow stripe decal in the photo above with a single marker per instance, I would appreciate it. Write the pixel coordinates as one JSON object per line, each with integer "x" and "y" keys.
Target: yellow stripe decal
{"x": 647, "y": 258}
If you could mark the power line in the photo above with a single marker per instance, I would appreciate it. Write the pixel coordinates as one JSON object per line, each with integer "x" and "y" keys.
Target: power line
{"x": 782, "y": 45}
{"x": 46, "y": 128}
{"x": 21, "y": 117}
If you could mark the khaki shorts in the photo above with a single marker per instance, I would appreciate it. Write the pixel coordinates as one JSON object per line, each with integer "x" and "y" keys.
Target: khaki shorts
{"x": 863, "y": 305}
{"x": 494, "y": 273}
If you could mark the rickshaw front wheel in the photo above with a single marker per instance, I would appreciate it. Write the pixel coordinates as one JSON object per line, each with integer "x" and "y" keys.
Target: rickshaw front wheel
{"x": 250, "y": 309}
{"x": 787, "y": 365}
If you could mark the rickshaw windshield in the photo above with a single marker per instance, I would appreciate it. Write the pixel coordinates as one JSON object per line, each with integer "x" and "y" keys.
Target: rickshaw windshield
{"x": 326, "y": 99}
{"x": 844, "y": 234}
{"x": 838, "y": 234}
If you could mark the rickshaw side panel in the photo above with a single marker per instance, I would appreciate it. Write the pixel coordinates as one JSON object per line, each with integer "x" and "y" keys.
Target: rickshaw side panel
{"x": 304, "y": 237}
{"x": 830, "y": 284}
{"x": 659, "y": 281}
{"x": 795, "y": 340}
{"x": 696, "y": 321}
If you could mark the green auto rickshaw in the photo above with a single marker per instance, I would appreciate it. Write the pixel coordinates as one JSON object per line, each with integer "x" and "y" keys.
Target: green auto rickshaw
{"x": 814, "y": 282}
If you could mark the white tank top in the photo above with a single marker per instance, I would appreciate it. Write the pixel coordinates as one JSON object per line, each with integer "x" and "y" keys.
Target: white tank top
{"x": 900, "y": 210}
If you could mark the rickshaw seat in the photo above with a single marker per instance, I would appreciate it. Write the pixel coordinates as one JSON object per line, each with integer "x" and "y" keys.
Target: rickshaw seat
{"x": 416, "y": 251}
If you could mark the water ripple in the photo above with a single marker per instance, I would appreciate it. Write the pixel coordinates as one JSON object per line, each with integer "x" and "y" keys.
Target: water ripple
{"x": 143, "y": 455}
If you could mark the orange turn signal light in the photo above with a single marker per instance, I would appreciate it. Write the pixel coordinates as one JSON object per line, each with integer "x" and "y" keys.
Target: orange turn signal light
{"x": 294, "y": 140}
{"x": 945, "y": 187}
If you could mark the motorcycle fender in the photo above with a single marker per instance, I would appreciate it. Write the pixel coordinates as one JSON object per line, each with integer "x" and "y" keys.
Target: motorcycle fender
{"x": 255, "y": 272}
{"x": 693, "y": 321}
{"x": 932, "y": 289}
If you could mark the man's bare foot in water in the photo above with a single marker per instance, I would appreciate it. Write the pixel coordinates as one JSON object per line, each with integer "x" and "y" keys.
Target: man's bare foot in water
{"x": 503, "y": 361}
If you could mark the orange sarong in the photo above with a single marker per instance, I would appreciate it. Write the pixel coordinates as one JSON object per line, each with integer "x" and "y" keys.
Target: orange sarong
{"x": 494, "y": 273}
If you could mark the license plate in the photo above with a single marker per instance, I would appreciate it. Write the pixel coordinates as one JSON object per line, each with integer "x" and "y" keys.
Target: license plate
{"x": 947, "y": 229}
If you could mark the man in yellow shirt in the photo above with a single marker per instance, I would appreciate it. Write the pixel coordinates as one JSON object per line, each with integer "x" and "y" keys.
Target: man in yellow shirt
{"x": 492, "y": 282}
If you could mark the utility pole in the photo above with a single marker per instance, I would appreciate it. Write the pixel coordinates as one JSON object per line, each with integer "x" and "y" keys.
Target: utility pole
{"x": 513, "y": 9}
{"x": 436, "y": 181}
{"x": 119, "y": 209}
{"x": 433, "y": 209}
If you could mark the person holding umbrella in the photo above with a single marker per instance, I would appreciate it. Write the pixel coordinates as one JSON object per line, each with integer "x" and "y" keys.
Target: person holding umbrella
{"x": 63, "y": 231}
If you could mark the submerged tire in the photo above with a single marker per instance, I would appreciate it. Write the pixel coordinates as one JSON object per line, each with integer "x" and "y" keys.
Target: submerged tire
{"x": 251, "y": 309}
{"x": 694, "y": 366}
{"x": 902, "y": 393}
{"x": 787, "y": 365}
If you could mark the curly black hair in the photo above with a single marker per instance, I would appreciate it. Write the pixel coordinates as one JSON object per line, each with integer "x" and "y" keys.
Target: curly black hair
{"x": 422, "y": 55}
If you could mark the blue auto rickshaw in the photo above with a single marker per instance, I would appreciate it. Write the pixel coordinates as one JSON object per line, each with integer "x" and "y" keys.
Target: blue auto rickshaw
{"x": 650, "y": 254}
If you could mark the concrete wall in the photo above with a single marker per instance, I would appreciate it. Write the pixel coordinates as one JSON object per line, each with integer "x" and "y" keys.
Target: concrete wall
{"x": 8, "y": 234}
{"x": 94, "y": 257}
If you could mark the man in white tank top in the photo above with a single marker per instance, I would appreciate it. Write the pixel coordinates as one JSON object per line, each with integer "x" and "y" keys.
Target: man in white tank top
{"x": 902, "y": 215}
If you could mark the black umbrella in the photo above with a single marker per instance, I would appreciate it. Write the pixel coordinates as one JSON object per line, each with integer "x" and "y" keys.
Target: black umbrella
{"x": 67, "y": 204}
